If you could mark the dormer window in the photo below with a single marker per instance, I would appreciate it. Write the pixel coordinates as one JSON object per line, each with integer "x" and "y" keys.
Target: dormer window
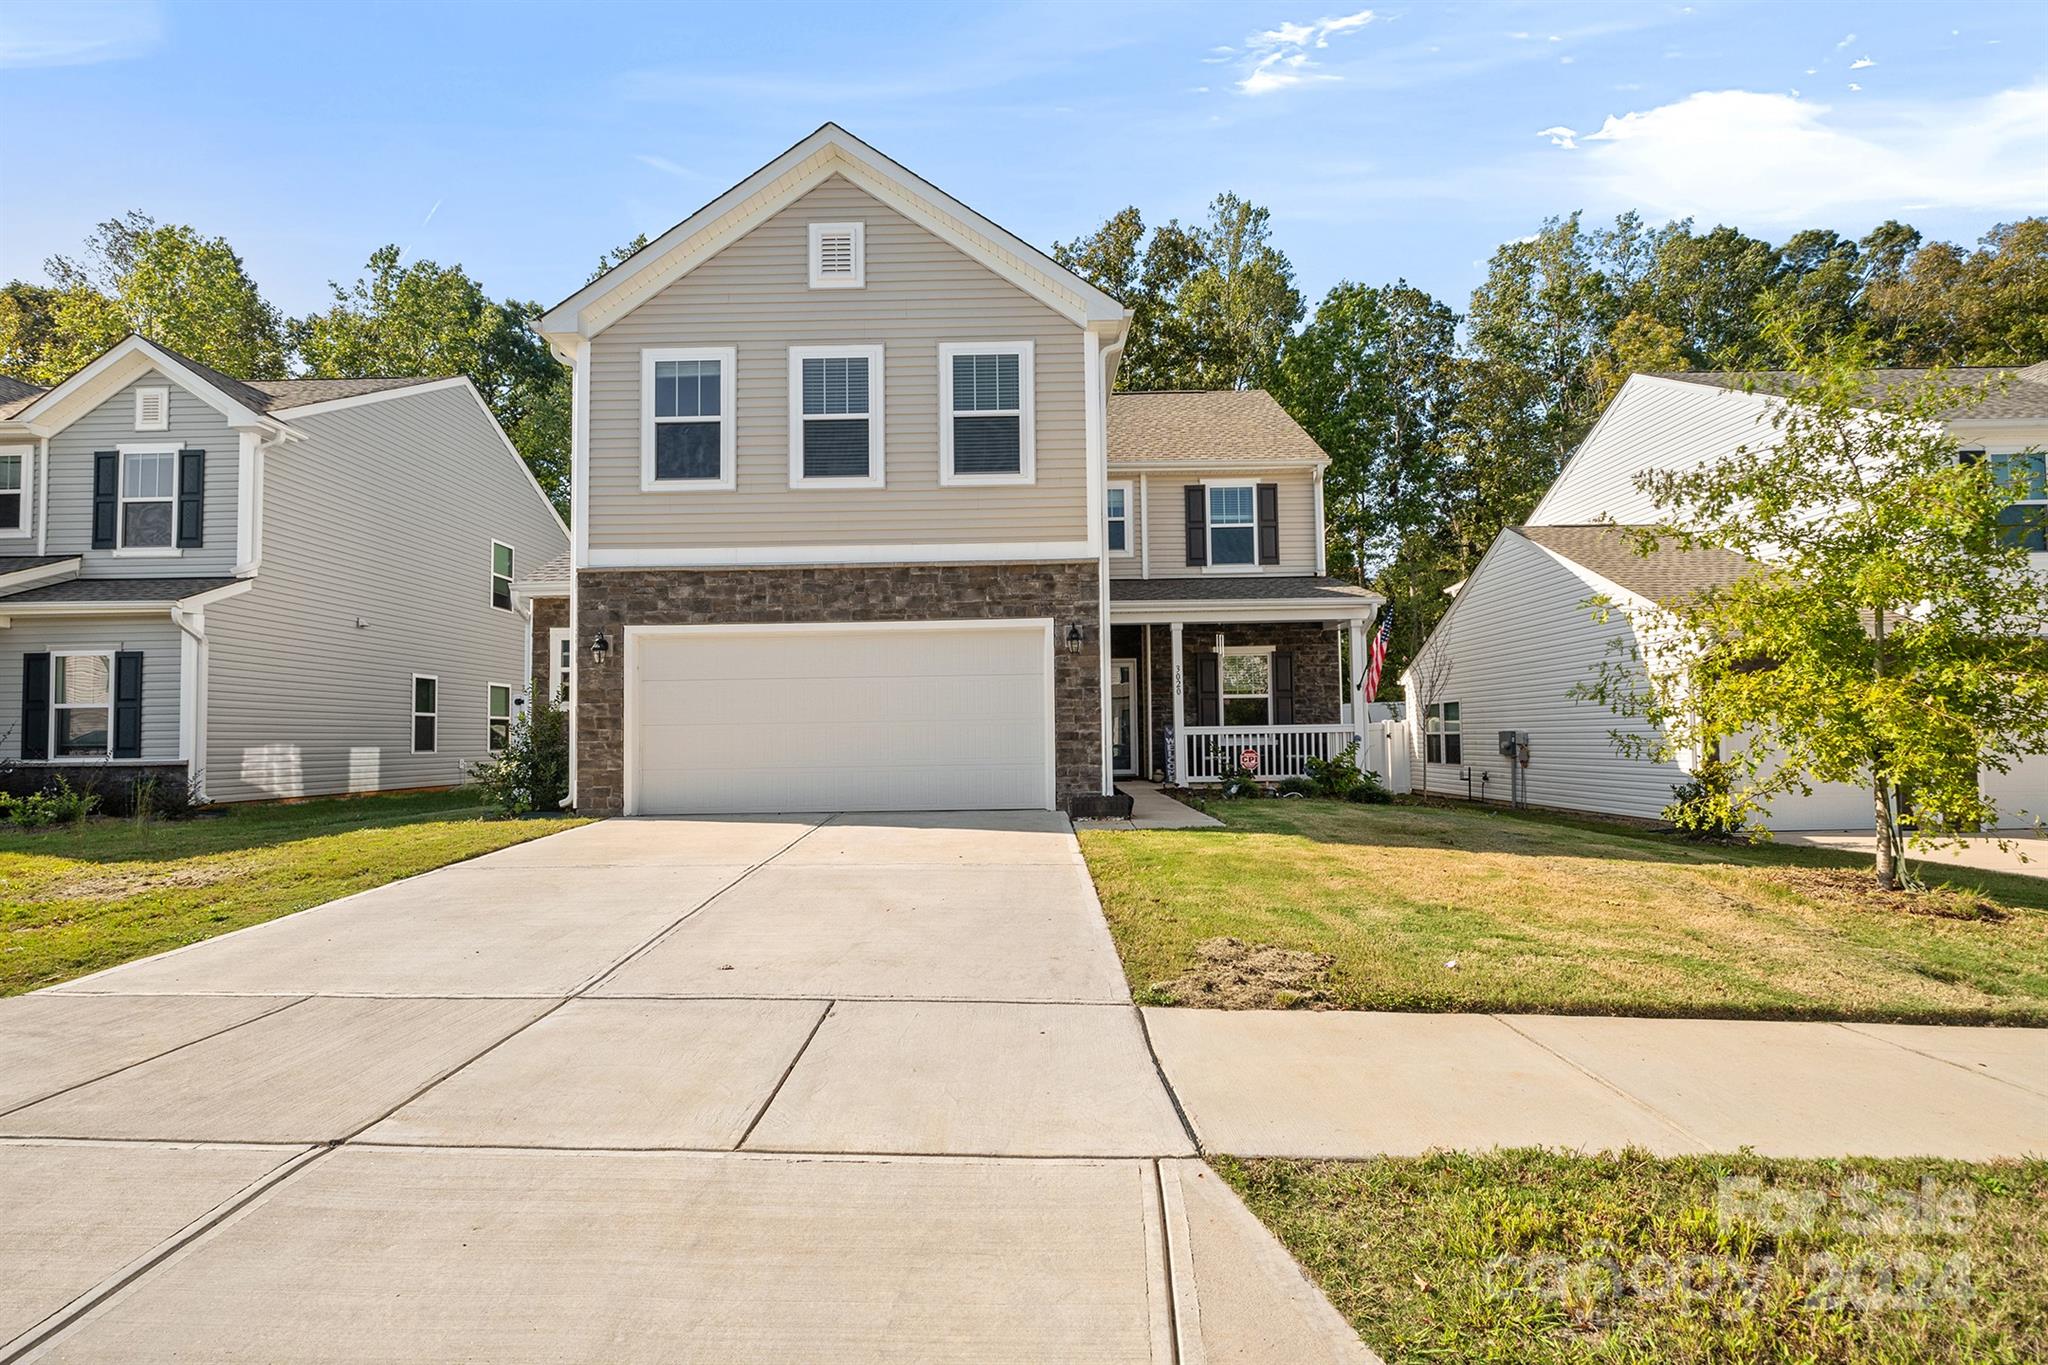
{"x": 839, "y": 255}
{"x": 153, "y": 409}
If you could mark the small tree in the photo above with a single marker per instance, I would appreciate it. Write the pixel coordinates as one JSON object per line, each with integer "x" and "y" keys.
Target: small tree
{"x": 531, "y": 773}
{"x": 1431, "y": 673}
{"x": 1890, "y": 636}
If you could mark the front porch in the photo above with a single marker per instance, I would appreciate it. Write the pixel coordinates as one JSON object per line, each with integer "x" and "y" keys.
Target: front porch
{"x": 1204, "y": 669}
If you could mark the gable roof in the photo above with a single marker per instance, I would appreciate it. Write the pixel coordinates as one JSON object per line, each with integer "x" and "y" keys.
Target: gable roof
{"x": 828, "y": 151}
{"x": 16, "y": 393}
{"x": 1236, "y": 426}
{"x": 1668, "y": 573}
{"x": 2010, "y": 392}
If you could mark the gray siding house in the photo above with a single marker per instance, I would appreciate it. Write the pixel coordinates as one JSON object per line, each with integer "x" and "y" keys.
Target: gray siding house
{"x": 269, "y": 588}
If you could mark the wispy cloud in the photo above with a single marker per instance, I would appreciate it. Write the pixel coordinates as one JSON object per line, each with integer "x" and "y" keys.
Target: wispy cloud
{"x": 430, "y": 213}
{"x": 667, "y": 167}
{"x": 81, "y": 33}
{"x": 1860, "y": 63}
{"x": 1281, "y": 57}
{"x": 1845, "y": 42}
{"x": 1742, "y": 156}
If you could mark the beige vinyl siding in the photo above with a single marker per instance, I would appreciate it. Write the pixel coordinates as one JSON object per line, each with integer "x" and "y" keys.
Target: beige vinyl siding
{"x": 1166, "y": 516}
{"x": 157, "y": 640}
{"x": 386, "y": 513}
{"x": 111, "y": 425}
{"x": 754, "y": 296}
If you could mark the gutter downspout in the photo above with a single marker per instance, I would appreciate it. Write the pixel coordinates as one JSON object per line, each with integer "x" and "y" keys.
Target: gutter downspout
{"x": 1109, "y": 355}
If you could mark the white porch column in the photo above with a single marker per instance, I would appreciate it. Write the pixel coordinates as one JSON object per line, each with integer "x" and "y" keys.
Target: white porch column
{"x": 1177, "y": 759}
{"x": 1357, "y": 684}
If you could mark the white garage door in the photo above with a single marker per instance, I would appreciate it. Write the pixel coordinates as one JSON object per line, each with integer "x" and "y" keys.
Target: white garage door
{"x": 908, "y": 717}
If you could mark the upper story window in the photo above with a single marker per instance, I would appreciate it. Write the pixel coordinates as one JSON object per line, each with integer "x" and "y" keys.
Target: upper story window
{"x": 149, "y": 494}
{"x": 501, "y": 575}
{"x": 835, "y": 416}
{"x": 985, "y": 413}
{"x": 1233, "y": 524}
{"x": 497, "y": 718}
{"x": 13, "y": 493}
{"x": 839, "y": 255}
{"x": 2025, "y": 475}
{"x": 1116, "y": 512}
{"x": 426, "y": 712}
{"x": 153, "y": 409}
{"x": 686, "y": 417}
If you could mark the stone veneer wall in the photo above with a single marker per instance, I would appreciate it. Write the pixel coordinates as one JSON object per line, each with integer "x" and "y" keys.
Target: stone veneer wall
{"x": 549, "y": 613}
{"x": 1316, "y": 697}
{"x": 612, "y": 599}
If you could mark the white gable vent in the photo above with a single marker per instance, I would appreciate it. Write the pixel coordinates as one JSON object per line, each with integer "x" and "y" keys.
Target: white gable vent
{"x": 152, "y": 409}
{"x": 838, "y": 255}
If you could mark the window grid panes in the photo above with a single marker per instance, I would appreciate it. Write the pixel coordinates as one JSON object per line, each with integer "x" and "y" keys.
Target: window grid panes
{"x": 1117, "y": 505}
{"x": 425, "y": 704}
{"x": 498, "y": 715}
{"x": 149, "y": 481}
{"x": 835, "y": 416}
{"x": 987, "y": 414}
{"x": 1446, "y": 742}
{"x": 687, "y": 399}
{"x": 2025, "y": 476}
{"x": 1233, "y": 534}
{"x": 81, "y": 697}
{"x": 501, "y": 576}
{"x": 10, "y": 492}
{"x": 1247, "y": 689}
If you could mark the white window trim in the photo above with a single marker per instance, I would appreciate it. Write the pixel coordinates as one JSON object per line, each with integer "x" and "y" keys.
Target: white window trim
{"x": 27, "y": 455}
{"x": 1435, "y": 723}
{"x": 122, "y": 550}
{"x": 1129, "y": 519}
{"x": 561, "y": 677}
{"x": 512, "y": 556}
{"x": 1027, "y": 460}
{"x": 728, "y": 366}
{"x": 53, "y": 748}
{"x": 412, "y": 703}
{"x": 1987, "y": 455}
{"x": 1209, "y": 528}
{"x": 511, "y": 693}
{"x": 163, "y": 406}
{"x": 1223, "y": 693}
{"x": 874, "y": 478}
{"x": 859, "y": 278}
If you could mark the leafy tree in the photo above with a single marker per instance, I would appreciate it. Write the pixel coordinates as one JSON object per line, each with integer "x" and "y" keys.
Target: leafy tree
{"x": 1942, "y": 304}
{"x": 28, "y": 331}
{"x": 1890, "y": 635}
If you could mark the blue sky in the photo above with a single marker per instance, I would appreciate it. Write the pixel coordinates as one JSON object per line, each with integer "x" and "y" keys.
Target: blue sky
{"x": 1401, "y": 140}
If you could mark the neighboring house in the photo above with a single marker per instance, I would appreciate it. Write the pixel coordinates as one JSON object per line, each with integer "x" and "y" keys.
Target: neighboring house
{"x": 850, "y": 532}
{"x": 1519, "y": 633}
{"x": 272, "y": 588}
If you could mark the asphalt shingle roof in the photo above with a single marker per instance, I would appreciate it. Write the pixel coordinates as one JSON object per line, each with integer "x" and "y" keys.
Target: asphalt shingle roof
{"x": 1233, "y": 426}
{"x": 17, "y": 563}
{"x": 1665, "y": 574}
{"x": 258, "y": 395}
{"x": 16, "y": 393}
{"x": 165, "y": 590}
{"x": 2009, "y": 392}
{"x": 1236, "y": 588}
{"x": 556, "y": 570}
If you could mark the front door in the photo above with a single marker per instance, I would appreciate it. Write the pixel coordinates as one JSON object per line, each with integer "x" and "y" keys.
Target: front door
{"x": 1123, "y": 713}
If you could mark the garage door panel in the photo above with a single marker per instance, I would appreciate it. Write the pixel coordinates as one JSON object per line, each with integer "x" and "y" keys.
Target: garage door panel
{"x": 881, "y": 719}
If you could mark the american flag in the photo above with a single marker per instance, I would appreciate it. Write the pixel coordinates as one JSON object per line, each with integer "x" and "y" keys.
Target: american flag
{"x": 1378, "y": 657}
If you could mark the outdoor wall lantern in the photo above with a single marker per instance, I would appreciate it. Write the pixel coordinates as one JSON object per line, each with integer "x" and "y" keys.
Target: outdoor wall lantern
{"x": 1073, "y": 639}
{"x": 600, "y": 648}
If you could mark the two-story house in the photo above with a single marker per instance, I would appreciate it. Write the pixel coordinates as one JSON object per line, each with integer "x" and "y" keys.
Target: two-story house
{"x": 266, "y": 588}
{"x": 859, "y": 526}
{"x": 1519, "y": 634}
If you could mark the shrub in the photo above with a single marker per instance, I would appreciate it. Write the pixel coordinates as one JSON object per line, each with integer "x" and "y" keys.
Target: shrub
{"x": 56, "y": 805}
{"x": 1295, "y": 786}
{"x": 532, "y": 774}
{"x": 1335, "y": 777}
{"x": 1369, "y": 792}
{"x": 1707, "y": 806}
{"x": 1241, "y": 784}
{"x": 164, "y": 796}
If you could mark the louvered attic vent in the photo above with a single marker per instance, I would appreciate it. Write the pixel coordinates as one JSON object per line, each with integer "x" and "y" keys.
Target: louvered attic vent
{"x": 152, "y": 409}
{"x": 838, "y": 255}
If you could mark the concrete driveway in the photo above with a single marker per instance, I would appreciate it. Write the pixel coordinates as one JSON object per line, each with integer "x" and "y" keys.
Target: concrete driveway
{"x": 850, "y": 1088}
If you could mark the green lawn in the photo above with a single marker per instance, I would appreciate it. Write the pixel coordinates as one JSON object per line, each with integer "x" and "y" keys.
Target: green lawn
{"x": 1550, "y": 914}
{"x": 1534, "y": 1258}
{"x": 76, "y": 899}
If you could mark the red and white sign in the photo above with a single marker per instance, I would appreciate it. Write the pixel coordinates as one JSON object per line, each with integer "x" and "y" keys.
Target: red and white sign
{"x": 1249, "y": 760}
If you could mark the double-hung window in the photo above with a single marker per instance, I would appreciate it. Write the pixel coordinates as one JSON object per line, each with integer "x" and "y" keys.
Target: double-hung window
{"x": 1445, "y": 734}
{"x": 1247, "y": 682}
{"x": 148, "y": 498}
{"x": 2024, "y": 475}
{"x": 686, "y": 418}
{"x": 561, "y": 662}
{"x": 501, "y": 575}
{"x": 81, "y": 705}
{"x": 13, "y": 493}
{"x": 835, "y": 416}
{"x": 1116, "y": 511}
{"x": 498, "y": 718}
{"x": 1233, "y": 525}
{"x": 426, "y": 712}
{"x": 985, "y": 413}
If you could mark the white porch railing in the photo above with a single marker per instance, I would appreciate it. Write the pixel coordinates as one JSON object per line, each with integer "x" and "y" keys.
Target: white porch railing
{"x": 1210, "y": 751}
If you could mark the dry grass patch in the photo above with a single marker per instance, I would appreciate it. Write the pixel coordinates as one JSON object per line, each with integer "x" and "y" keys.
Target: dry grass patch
{"x": 1553, "y": 915}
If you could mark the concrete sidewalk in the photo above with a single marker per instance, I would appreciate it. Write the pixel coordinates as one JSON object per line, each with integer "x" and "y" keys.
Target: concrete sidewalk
{"x": 796, "y": 1088}
{"x": 1267, "y": 1083}
{"x": 2024, "y": 851}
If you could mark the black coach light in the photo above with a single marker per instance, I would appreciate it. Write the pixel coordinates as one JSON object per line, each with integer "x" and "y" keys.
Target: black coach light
{"x": 600, "y": 648}
{"x": 1073, "y": 639}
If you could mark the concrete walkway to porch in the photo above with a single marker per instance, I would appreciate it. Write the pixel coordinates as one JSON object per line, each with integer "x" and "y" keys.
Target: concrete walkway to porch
{"x": 1152, "y": 808}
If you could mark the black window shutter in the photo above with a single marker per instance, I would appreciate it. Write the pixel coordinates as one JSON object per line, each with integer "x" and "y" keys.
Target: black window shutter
{"x": 1269, "y": 523}
{"x": 106, "y": 497}
{"x": 191, "y": 499}
{"x": 1283, "y": 688}
{"x": 35, "y": 706}
{"x": 1208, "y": 690}
{"x": 128, "y": 704}
{"x": 1198, "y": 527}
